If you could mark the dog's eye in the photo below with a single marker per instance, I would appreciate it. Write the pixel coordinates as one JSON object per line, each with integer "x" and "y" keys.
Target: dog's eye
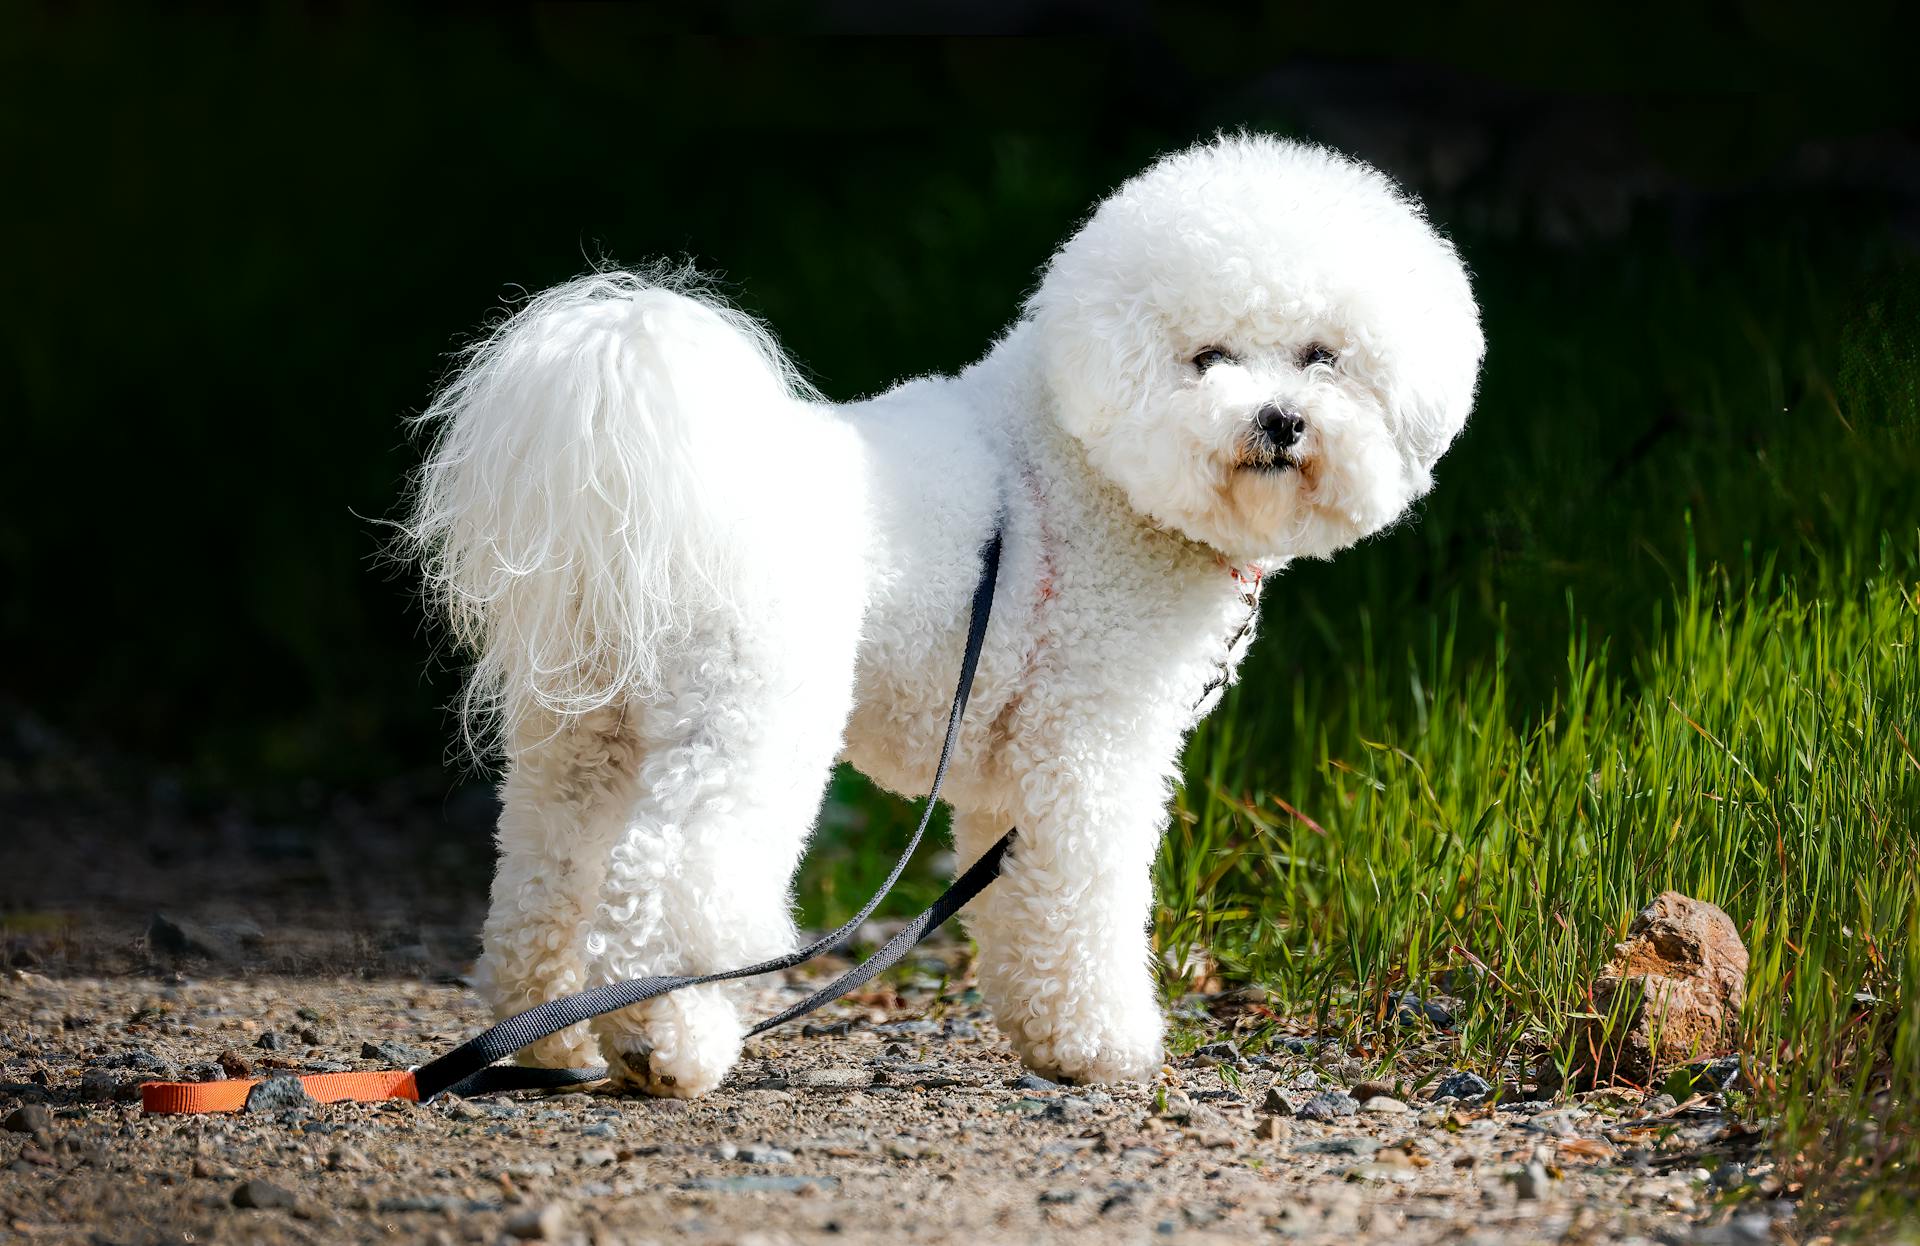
{"x": 1210, "y": 356}
{"x": 1316, "y": 354}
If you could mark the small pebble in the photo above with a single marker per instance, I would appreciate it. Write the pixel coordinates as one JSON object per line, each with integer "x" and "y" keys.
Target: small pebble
{"x": 99, "y": 1085}
{"x": 1275, "y": 1103}
{"x": 263, "y": 1195}
{"x": 1374, "y": 1171}
{"x": 828, "y": 1079}
{"x": 1462, "y": 1086}
{"x": 397, "y": 1054}
{"x": 1383, "y": 1105}
{"x": 344, "y": 1158}
{"x": 1033, "y": 1081}
{"x": 31, "y": 1119}
{"x": 1327, "y": 1106}
{"x": 278, "y": 1093}
{"x": 1217, "y": 1054}
{"x": 539, "y": 1224}
{"x": 1350, "y": 1144}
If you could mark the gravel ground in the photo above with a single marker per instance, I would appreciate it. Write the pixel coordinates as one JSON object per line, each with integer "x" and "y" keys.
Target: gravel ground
{"x": 902, "y": 1117}
{"x": 306, "y": 932}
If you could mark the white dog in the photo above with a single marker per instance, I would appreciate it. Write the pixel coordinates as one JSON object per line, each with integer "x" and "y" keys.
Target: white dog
{"x": 691, "y": 584}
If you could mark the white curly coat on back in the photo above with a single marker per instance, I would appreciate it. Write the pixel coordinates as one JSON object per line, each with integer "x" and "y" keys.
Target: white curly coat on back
{"x": 691, "y": 585}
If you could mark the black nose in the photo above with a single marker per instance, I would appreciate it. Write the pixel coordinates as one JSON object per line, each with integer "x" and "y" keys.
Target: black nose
{"x": 1281, "y": 427}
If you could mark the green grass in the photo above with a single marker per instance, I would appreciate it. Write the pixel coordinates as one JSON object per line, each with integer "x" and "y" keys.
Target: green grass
{"x": 1656, "y": 628}
{"x": 1695, "y": 669}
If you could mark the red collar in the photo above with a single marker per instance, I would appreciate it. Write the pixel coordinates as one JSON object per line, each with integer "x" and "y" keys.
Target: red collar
{"x": 1246, "y": 578}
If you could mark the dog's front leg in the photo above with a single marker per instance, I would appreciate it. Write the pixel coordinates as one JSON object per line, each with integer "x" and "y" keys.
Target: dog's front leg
{"x": 1064, "y": 957}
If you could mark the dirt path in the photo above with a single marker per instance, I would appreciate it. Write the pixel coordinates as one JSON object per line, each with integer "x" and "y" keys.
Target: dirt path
{"x": 906, "y": 1120}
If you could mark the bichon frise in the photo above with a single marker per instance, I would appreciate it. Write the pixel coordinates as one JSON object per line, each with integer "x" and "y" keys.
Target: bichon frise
{"x": 690, "y": 584}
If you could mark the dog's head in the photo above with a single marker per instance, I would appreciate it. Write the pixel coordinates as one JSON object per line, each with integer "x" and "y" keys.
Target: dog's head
{"x": 1263, "y": 343}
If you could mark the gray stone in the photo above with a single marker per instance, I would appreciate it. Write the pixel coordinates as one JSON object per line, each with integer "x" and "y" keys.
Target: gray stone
{"x": 829, "y": 1079}
{"x": 1462, "y": 1086}
{"x": 1276, "y": 1103}
{"x": 1352, "y": 1144}
{"x": 1214, "y": 1054}
{"x": 327, "y": 1066}
{"x": 169, "y": 936}
{"x": 1033, "y": 1081}
{"x": 388, "y": 1052}
{"x": 1530, "y": 1182}
{"x": 277, "y": 1094}
{"x": 263, "y": 1195}
{"x": 1558, "y": 1124}
{"x": 908, "y": 1027}
{"x": 757, "y": 1183}
{"x": 416, "y": 1203}
{"x": 539, "y": 1224}
{"x": 1327, "y": 1106}
{"x": 33, "y": 1119}
{"x": 1068, "y": 1108}
{"x": 140, "y": 1059}
{"x": 343, "y": 1158}
{"x": 598, "y": 1157}
{"x": 272, "y": 1040}
{"x": 761, "y": 1153}
{"x": 98, "y": 1085}
{"x": 1410, "y": 1010}
{"x": 1704, "y": 1077}
{"x": 1384, "y": 1105}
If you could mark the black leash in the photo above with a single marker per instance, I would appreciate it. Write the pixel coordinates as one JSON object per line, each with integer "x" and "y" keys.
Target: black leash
{"x": 470, "y": 1068}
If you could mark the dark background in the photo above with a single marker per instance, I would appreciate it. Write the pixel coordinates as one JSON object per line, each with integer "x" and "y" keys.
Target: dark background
{"x": 241, "y": 250}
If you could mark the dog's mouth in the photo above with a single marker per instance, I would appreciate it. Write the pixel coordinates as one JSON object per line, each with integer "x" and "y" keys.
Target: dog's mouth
{"x": 1264, "y": 460}
{"x": 1262, "y": 457}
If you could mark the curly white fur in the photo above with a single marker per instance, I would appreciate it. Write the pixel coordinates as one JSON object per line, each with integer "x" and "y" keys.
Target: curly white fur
{"x": 690, "y": 584}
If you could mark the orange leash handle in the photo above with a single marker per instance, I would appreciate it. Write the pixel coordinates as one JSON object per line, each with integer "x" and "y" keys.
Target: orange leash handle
{"x": 166, "y": 1098}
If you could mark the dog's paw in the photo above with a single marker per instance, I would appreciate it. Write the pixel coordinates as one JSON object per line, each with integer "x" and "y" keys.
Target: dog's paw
{"x": 1115, "y": 1049}
{"x": 679, "y": 1047}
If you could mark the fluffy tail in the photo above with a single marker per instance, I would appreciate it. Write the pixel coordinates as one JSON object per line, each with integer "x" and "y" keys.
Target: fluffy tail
{"x": 571, "y": 518}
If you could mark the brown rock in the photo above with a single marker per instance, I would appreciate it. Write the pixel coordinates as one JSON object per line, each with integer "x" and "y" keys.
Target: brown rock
{"x": 1673, "y": 991}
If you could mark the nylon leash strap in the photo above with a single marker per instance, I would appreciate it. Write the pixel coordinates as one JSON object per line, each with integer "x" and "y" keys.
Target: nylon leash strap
{"x": 471, "y": 1068}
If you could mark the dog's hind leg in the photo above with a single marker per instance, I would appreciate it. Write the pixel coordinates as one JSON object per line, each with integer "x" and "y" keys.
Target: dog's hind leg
{"x": 566, "y": 796}
{"x": 738, "y": 750}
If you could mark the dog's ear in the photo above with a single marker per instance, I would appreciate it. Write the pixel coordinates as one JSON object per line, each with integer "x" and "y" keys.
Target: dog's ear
{"x": 1430, "y": 388}
{"x": 1099, "y": 358}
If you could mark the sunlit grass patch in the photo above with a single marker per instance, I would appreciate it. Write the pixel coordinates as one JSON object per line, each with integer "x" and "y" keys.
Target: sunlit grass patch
{"x": 1473, "y": 794}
